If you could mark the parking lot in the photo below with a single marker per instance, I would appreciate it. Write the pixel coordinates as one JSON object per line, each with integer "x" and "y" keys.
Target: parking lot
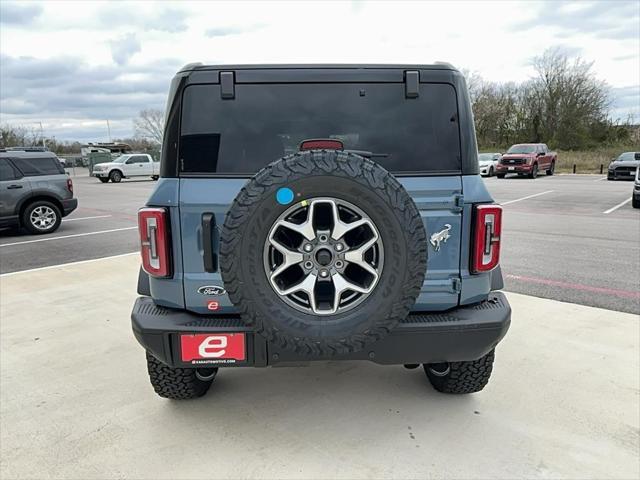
{"x": 562, "y": 402}
{"x": 564, "y": 238}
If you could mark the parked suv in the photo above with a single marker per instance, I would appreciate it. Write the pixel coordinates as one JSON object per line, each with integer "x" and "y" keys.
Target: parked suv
{"x": 527, "y": 159}
{"x": 319, "y": 213}
{"x": 35, "y": 191}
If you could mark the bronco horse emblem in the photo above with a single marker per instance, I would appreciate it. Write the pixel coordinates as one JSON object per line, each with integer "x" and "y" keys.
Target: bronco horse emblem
{"x": 440, "y": 237}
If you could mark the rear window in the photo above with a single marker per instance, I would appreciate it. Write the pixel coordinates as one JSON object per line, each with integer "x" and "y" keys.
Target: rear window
{"x": 265, "y": 122}
{"x": 31, "y": 166}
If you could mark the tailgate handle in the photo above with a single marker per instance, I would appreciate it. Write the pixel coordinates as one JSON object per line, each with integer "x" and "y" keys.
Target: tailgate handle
{"x": 210, "y": 242}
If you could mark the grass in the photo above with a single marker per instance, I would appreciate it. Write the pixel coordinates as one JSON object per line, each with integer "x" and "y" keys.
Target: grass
{"x": 589, "y": 161}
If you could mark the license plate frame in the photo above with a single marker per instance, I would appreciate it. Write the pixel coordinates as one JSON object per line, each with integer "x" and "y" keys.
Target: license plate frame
{"x": 213, "y": 348}
{"x": 511, "y": 169}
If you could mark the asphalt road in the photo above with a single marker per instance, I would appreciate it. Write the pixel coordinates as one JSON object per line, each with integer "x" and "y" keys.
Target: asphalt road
{"x": 566, "y": 243}
{"x": 561, "y": 240}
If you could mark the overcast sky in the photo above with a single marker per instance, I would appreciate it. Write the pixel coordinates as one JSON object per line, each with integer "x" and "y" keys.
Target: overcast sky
{"x": 72, "y": 65}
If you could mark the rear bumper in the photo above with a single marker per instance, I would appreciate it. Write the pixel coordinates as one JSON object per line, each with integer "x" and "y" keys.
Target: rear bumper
{"x": 69, "y": 206}
{"x": 464, "y": 333}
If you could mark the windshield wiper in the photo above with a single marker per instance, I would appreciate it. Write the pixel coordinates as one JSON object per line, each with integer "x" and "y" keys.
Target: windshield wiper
{"x": 366, "y": 154}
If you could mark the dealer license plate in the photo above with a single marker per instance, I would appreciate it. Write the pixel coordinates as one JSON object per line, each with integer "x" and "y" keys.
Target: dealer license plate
{"x": 202, "y": 349}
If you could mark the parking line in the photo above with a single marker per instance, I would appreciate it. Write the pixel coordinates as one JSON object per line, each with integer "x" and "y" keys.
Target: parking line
{"x": 67, "y": 236}
{"x": 84, "y": 218}
{"x": 613, "y": 209}
{"x": 525, "y": 198}
{"x": 575, "y": 286}
{"x": 49, "y": 267}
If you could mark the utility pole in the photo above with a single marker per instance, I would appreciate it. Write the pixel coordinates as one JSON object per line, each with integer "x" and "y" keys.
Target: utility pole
{"x": 42, "y": 135}
{"x": 109, "y": 130}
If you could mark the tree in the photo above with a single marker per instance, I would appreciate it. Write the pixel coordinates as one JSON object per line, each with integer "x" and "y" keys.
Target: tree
{"x": 150, "y": 125}
{"x": 563, "y": 105}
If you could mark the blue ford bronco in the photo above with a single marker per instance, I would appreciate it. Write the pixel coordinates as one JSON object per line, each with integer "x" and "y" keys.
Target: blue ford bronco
{"x": 319, "y": 212}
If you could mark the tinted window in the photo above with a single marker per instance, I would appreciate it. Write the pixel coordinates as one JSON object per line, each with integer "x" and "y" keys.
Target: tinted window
{"x": 140, "y": 159}
{"x": 6, "y": 170}
{"x": 265, "y": 122}
{"x": 626, "y": 156}
{"x": 30, "y": 166}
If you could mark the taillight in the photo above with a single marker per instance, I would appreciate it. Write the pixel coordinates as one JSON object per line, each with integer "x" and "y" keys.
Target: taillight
{"x": 69, "y": 185}
{"x": 486, "y": 247}
{"x": 153, "y": 226}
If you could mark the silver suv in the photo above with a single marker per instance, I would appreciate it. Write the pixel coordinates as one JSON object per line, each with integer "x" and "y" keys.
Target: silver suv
{"x": 35, "y": 191}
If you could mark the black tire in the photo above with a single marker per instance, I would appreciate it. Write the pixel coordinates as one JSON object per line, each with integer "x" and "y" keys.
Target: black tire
{"x": 155, "y": 177}
{"x": 552, "y": 169}
{"x": 103, "y": 180}
{"x": 115, "y": 176}
{"x": 635, "y": 202}
{"x": 500, "y": 175}
{"x": 31, "y": 227}
{"x": 177, "y": 383}
{"x": 534, "y": 171}
{"x": 490, "y": 171}
{"x": 348, "y": 177}
{"x": 461, "y": 377}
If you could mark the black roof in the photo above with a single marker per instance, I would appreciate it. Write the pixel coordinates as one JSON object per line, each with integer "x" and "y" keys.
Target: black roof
{"x": 354, "y": 66}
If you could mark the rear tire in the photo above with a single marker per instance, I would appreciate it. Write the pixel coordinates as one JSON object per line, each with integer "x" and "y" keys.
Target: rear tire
{"x": 41, "y": 217}
{"x": 635, "y": 202}
{"x": 461, "y": 377}
{"x": 552, "y": 169}
{"x": 115, "y": 176}
{"x": 103, "y": 180}
{"x": 177, "y": 383}
{"x": 490, "y": 171}
{"x": 155, "y": 177}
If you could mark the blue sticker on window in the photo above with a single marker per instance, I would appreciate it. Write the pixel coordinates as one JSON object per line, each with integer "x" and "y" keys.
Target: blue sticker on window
{"x": 284, "y": 196}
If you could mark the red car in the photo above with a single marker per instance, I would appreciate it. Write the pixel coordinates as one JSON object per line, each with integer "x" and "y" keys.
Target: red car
{"x": 527, "y": 159}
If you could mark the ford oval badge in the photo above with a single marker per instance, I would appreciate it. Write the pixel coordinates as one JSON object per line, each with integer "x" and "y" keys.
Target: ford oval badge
{"x": 211, "y": 290}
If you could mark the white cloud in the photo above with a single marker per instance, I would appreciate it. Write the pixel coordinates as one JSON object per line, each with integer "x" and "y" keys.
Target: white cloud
{"x": 114, "y": 58}
{"x": 124, "y": 47}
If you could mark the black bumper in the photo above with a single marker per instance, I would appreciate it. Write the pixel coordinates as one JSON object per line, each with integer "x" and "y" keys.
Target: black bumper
{"x": 69, "y": 206}
{"x": 464, "y": 333}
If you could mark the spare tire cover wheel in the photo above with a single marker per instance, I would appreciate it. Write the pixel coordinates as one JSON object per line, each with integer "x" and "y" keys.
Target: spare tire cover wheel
{"x": 323, "y": 252}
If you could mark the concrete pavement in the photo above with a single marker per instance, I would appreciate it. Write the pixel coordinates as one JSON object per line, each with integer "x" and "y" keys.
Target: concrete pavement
{"x": 563, "y": 401}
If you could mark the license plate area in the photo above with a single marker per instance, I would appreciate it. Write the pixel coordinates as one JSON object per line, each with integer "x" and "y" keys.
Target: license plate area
{"x": 213, "y": 348}
{"x": 511, "y": 169}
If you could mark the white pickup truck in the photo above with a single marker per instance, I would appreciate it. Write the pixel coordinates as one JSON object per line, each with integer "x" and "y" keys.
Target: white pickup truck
{"x": 127, "y": 166}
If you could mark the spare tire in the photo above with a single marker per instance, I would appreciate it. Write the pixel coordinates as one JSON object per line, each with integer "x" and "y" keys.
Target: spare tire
{"x": 323, "y": 252}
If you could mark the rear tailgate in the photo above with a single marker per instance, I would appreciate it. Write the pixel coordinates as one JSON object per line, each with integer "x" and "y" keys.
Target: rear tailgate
{"x": 437, "y": 198}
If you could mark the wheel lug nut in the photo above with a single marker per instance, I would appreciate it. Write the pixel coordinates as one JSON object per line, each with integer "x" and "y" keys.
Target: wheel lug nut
{"x": 324, "y": 273}
{"x": 339, "y": 247}
{"x": 323, "y": 238}
{"x": 339, "y": 264}
{"x": 308, "y": 247}
{"x": 308, "y": 265}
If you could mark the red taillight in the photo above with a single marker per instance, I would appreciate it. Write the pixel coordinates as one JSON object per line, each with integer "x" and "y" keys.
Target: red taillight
{"x": 321, "y": 144}
{"x": 486, "y": 247}
{"x": 69, "y": 185}
{"x": 153, "y": 226}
